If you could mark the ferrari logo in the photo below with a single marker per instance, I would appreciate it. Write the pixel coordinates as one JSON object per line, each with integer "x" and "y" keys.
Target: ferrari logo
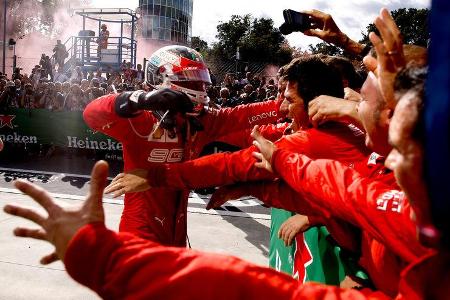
{"x": 6, "y": 120}
{"x": 303, "y": 257}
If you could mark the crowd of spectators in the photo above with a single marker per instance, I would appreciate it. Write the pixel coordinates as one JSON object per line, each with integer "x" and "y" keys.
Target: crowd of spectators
{"x": 235, "y": 89}
{"x": 49, "y": 88}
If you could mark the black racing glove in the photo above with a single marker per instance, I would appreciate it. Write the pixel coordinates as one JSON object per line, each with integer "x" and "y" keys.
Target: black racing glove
{"x": 128, "y": 104}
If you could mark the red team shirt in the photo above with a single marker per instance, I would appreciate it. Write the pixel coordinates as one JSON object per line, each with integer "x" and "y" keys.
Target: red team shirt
{"x": 374, "y": 204}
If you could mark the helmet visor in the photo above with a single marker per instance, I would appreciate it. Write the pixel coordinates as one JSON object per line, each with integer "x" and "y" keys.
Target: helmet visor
{"x": 192, "y": 75}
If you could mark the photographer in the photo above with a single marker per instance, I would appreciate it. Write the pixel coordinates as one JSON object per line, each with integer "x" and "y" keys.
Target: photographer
{"x": 60, "y": 54}
{"x": 94, "y": 91}
{"x": 75, "y": 100}
{"x": 9, "y": 97}
{"x": 35, "y": 76}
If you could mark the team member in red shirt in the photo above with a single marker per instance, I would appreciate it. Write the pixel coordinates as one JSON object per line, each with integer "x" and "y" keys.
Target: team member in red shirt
{"x": 165, "y": 135}
{"x": 374, "y": 206}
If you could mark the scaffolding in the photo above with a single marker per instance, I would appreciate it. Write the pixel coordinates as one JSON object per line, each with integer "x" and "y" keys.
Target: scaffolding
{"x": 84, "y": 50}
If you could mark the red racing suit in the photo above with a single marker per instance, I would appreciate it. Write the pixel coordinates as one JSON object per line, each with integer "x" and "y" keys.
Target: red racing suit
{"x": 160, "y": 214}
{"x": 122, "y": 266}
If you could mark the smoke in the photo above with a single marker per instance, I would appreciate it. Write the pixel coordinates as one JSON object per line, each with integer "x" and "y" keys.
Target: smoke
{"x": 36, "y": 28}
{"x": 30, "y": 46}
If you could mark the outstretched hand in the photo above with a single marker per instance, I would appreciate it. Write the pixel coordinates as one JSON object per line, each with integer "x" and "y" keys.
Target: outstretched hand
{"x": 265, "y": 147}
{"x": 390, "y": 57}
{"x": 60, "y": 224}
{"x": 130, "y": 182}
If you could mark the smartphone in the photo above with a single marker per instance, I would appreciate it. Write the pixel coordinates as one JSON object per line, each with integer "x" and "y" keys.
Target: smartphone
{"x": 294, "y": 21}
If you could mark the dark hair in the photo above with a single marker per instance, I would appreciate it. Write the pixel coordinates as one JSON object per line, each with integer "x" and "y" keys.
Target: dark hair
{"x": 412, "y": 78}
{"x": 314, "y": 78}
{"x": 348, "y": 72}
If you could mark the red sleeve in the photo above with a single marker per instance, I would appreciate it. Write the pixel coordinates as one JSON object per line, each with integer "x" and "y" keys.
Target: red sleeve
{"x": 100, "y": 115}
{"x": 220, "y": 122}
{"x": 122, "y": 266}
{"x": 368, "y": 204}
{"x": 219, "y": 169}
{"x": 278, "y": 194}
{"x": 242, "y": 139}
{"x": 208, "y": 171}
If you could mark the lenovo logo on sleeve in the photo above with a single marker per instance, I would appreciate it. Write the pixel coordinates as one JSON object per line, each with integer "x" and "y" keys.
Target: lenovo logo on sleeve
{"x": 259, "y": 117}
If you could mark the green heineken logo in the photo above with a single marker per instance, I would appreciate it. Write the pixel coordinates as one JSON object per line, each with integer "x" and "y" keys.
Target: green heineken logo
{"x": 6, "y": 120}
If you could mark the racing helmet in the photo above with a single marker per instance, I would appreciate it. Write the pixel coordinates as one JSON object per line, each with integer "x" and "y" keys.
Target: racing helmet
{"x": 180, "y": 68}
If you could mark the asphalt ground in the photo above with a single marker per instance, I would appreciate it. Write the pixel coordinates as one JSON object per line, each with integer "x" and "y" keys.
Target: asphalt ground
{"x": 240, "y": 228}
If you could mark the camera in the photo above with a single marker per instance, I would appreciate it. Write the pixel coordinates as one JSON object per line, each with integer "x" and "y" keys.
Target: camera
{"x": 295, "y": 21}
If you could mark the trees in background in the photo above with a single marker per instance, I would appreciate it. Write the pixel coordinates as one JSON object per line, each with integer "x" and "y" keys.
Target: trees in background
{"x": 413, "y": 24}
{"x": 257, "y": 40}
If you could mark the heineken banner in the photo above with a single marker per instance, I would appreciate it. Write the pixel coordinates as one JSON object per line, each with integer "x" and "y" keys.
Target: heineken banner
{"x": 63, "y": 129}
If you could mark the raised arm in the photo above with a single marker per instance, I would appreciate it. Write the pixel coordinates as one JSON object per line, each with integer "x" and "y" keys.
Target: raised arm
{"x": 324, "y": 27}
